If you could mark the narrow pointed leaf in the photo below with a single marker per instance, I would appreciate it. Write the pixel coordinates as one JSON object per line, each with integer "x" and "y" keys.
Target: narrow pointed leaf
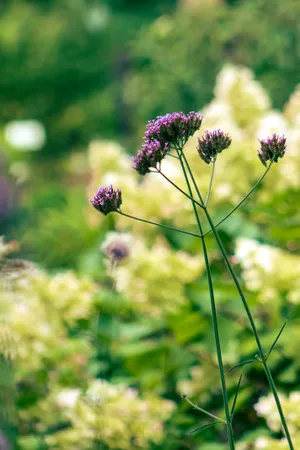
{"x": 241, "y": 364}
{"x": 276, "y": 340}
{"x": 236, "y": 396}
{"x": 203, "y": 426}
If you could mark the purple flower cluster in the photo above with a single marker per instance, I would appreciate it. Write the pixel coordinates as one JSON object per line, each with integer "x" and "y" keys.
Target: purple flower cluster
{"x": 107, "y": 200}
{"x": 174, "y": 128}
{"x": 151, "y": 153}
{"x": 163, "y": 133}
{"x": 272, "y": 148}
{"x": 212, "y": 143}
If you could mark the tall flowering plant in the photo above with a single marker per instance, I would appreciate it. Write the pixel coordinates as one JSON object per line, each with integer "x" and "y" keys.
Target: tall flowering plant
{"x": 166, "y": 136}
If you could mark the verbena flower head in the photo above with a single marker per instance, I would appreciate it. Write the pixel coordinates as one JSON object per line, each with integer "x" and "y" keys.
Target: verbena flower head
{"x": 151, "y": 153}
{"x": 174, "y": 128}
{"x": 272, "y": 148}
{"x": 163, "y": 133}
{"x": 107, "y": 200}
{"x": 212, "y": 143}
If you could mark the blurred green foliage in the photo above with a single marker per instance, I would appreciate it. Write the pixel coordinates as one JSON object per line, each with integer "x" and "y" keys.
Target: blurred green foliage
{"x": 177, "y": 58}
{"x": 102, "y": 354}
{"x": 63, "y": 62}
{"x": 87, "y": 68}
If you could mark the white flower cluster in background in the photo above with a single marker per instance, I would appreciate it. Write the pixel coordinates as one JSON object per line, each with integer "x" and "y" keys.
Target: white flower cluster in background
{"x": 154, "y": 279}
{"x": 291, "y": 406}
{"x": 266, "y": 408}
{"x": 38, "y": 310}
{"x": 114, "y": 415}
{"x": 269, "y": 270}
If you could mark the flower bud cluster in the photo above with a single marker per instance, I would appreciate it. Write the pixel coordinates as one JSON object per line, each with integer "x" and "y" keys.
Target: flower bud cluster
{"x": 107, "y": 199}
{"x": 150, "y": 155}
{"x": 272, "y": 148}
{"x": 163, "y": 133}
{"x": 212, "y": 143}
{"x": 174, "y": 128}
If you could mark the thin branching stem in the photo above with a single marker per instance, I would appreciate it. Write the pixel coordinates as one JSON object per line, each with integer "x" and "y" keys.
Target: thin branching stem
{"x": 172, "y": 156}
{"x": 213, "y": 310}
{"x": 195, "y": 406}
{"x": 242, "y": 201}
{"x": 249, "y": 314}
{"x": 210, "y": 182}
{"x": 179, "y": 189}
{"x": 159, "y": 224}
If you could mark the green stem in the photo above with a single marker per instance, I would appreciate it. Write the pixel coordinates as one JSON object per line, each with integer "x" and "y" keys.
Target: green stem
{"x": 179, "y": 189}
{"x": 214, "y": 314}
{"x": 172, "y": 156}
{"x": 193, "y": 178}
{"x": 253, "y": 326}
{"x": 210, "y": 182}
{"x": 159, "y": 224}
{"x": 249, "y": 314}
{"x": 242, "y": 201}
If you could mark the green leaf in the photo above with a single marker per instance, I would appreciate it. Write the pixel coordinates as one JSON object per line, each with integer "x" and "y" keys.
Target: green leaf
{"x": 186, "y": 327}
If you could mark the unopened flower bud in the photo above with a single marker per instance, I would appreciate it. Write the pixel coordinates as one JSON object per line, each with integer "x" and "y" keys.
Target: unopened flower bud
{"x": 107, "y": 200}
{"x": 212, "y": 143}
{"x": 163, "y": 133}
{"x": 272, "y": 148}
{"x": 151, "y": 153}
{"x": 174, "y": 128}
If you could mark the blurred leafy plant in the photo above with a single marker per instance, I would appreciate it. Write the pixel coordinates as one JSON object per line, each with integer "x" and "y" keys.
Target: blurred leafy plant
{"x": 182, "y": 64}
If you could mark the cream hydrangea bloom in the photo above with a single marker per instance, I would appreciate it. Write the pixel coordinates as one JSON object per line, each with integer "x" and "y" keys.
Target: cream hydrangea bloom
{"x": 292, "y": 108}
{"x": 291, "y": 406}
{"x": 154, "y": 279}
{"x": 37, "y": 310}
{"x": 269, "y": 270}
{"x": 267, "y": 409}
{"x": 115, "y": 415}
{"x": 237, "y": 87}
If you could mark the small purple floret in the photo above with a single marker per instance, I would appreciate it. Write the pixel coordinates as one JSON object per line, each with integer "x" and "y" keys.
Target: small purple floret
{"x": 107, "y": 200}
{"x": 272, "y": 148}
{"x": 212, "y": 143}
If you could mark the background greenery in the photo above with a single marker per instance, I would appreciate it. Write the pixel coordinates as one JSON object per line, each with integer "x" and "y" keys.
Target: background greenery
{"x": 133, "y": 339}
